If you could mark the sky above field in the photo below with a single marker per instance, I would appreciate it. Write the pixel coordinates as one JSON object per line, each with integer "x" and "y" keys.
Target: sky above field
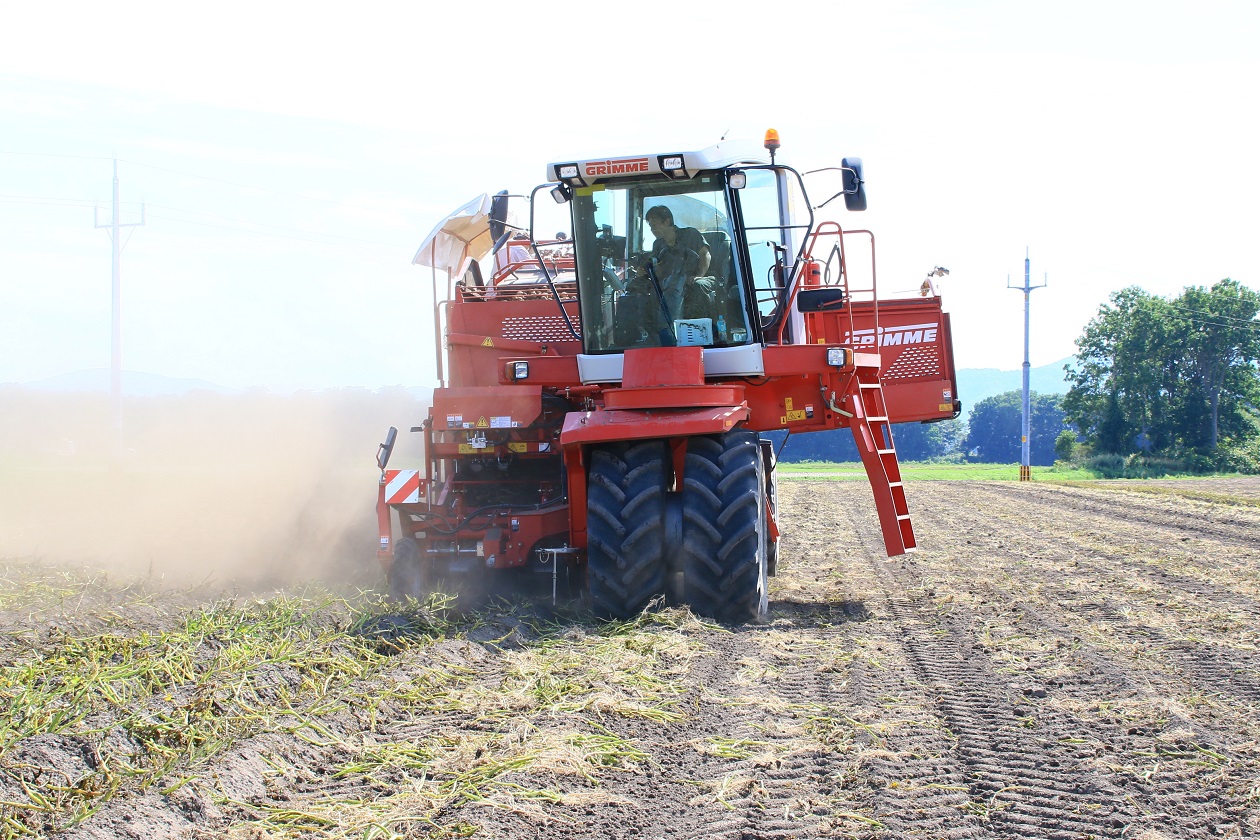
{"x": 291, "y": 158}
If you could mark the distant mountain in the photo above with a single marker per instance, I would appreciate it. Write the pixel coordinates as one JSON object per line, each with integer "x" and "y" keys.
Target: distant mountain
{"x": 975, "y": 384}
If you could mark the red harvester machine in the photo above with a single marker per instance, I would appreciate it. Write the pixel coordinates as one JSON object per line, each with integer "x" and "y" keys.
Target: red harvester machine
{"x": 603, "y": 394}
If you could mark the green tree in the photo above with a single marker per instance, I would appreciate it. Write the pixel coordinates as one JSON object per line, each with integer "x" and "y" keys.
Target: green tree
{"x": 1222, "y": 344}
{"x": 996, "y": 428}
{"x": 1125, "y": 382}
{"x": 1164, "y": 374}
{"x": 1065, "y": 445}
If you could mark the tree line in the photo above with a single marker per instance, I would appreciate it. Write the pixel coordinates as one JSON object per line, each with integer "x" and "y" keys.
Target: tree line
{"x": 1176, "y": 377}
{"x": 1174, "y": 380}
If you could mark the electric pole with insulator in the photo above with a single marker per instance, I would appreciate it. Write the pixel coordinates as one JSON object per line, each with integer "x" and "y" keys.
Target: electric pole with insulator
{"x": 115, "y": 357}
{"x": 1025, "y": 462}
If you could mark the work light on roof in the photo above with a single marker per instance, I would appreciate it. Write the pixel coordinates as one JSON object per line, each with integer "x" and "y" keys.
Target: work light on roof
{"x": 570, "y": 174}
{"x": 672, "y": 166}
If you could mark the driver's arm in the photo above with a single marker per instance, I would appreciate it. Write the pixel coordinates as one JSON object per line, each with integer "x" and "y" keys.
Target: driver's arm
{"x": 703, "y": 255}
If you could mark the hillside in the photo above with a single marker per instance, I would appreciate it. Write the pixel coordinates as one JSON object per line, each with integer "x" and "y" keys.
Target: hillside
{"x": 976, "y": 384}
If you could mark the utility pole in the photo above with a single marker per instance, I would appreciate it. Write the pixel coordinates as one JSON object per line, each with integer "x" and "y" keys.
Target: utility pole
{"x": 1025, "y": 463}
{"x": 115, "y": 367}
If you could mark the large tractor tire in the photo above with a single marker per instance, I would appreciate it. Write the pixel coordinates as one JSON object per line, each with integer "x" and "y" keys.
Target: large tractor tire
{"x": 409, "y": 573}
{"x": 626, "y": 527}
{"x": 724, "y": 522}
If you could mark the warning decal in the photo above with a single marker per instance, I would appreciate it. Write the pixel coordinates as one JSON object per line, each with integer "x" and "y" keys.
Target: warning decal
{"x": 402, "y": 487}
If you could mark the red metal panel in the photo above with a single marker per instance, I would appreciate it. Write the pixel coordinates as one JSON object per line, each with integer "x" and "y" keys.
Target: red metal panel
{"x": 548, "y": 371}
{"x": 913, "y": 341}
{"x": 384, "y": 552}
{"x": 486, "y": 407}
{"x": 584, "y": 427}
{"x": 673, "y": 396}
{"x": 788, "y": 359}
{"x": 475, "y": 361}
{"x": 646, "y": 367}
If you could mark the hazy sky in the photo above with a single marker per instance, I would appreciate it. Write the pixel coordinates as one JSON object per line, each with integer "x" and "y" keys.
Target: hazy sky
{"x": 292, "y": 156}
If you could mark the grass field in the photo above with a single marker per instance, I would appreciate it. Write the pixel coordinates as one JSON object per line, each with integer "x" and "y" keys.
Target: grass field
{"x": 925, "y": 471}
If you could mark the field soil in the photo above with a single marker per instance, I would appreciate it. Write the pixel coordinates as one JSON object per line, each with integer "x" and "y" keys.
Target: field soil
{"x": 1055, "y": 661}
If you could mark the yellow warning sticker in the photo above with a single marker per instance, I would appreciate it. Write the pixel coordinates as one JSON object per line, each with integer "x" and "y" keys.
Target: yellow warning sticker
{"x": 481, "y": 423}
{"x": 787, "y": 403}
{"x": 792, "y": 415}
{"x": 518, "y": 446}
{"x": 487, "y": 342}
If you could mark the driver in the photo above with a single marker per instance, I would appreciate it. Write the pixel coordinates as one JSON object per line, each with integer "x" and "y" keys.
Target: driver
{"x": 679, "y": 256}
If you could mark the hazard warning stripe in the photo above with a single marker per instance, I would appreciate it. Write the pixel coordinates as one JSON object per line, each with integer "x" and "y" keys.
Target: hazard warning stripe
{"x": 402, "y": 487}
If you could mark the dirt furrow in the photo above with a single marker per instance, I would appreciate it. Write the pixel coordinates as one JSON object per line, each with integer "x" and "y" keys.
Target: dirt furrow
{"x": 1127, "y": 688}
{"x": 1156, "y": 515}
{"x": 1054, "y": 662}
{"x": 1016, "y": 781}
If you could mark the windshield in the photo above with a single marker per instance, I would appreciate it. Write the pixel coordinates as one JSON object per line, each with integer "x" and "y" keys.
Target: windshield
{"x": 655, "y": 265}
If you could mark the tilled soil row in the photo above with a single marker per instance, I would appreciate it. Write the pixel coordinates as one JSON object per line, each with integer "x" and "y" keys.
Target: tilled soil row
{"x": 1054, "y": 662}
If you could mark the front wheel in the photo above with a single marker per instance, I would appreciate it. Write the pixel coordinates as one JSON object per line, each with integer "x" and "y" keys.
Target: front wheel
{"x": 724, "y": 521}
{"x": 626, "y": 545}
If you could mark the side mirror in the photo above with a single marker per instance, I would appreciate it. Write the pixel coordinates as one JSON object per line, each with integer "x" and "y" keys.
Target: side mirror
{"x": 854, "y": 184}
{"x": 820, "y": 300}
{"x": 498, "y": 215}
{"x": 386, "y": 449}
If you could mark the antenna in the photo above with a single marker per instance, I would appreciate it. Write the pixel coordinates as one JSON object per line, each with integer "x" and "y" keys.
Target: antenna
{"x": 1025, "y": 464}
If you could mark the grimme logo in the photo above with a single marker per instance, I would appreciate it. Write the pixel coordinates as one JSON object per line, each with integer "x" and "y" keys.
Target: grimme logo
{"x": 617, "y": 167}
{"x": 912, "y": 334}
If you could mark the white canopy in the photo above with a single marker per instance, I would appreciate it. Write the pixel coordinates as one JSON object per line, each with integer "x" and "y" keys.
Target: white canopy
{"x": 460, "y": 237}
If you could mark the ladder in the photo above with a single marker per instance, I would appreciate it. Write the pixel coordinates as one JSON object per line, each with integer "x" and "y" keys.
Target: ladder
{"x": 873, "y": 434}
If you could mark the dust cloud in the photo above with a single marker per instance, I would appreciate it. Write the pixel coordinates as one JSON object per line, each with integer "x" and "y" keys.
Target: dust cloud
{"x": 253, "y": 490}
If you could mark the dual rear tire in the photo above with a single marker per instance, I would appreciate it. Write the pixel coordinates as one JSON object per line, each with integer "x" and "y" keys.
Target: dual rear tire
{"x": 703, "y": 545}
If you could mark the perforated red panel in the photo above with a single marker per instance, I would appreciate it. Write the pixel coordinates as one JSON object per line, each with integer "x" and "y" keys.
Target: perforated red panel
{"x": 545, "y": 328}
{"x": 914, "y": 363}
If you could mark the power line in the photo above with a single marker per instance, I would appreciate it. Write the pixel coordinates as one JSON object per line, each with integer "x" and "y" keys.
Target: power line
{"x": 46, "y": 200}
{"x": 1206, "y": 317}
{"x": 321, "y": 235}
{"x": 294, "y": 196}
{"x": 1251, "y": 321}
{"x": 249, "y": 186}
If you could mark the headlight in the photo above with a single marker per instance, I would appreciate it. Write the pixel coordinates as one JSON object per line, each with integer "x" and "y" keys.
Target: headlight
{"x": 840, "y": 357}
